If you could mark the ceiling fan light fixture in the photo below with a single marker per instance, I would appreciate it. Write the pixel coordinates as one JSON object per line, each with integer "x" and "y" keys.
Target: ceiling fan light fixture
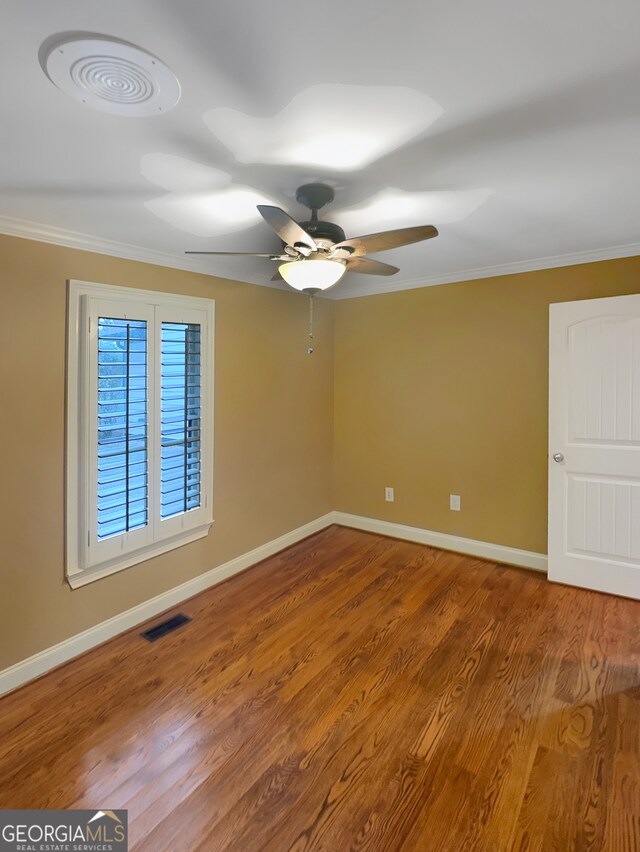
{"x": 311, "y": 273}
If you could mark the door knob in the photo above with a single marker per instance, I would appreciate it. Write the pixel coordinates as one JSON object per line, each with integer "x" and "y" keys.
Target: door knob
{"x": 558, "y": 457}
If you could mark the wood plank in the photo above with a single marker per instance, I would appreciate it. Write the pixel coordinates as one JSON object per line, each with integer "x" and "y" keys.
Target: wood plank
{"x": 352, "y": 692}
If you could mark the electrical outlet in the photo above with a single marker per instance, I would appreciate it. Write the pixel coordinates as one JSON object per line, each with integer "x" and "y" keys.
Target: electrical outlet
{"x": 388, "y": 495}
{"x": 454, "y": 502}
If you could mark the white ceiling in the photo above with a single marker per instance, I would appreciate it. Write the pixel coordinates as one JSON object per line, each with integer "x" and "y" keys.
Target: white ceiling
{"x": 513, "y": 127}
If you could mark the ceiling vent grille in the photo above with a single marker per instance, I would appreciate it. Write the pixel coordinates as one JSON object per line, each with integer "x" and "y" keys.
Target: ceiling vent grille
{"x": 111, "y": 75}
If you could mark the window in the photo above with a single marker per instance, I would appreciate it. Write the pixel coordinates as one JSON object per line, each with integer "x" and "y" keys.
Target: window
{"x": 139, "y": 426}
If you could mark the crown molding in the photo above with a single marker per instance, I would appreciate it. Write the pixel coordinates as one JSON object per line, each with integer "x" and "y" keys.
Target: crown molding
{"x": 354, "y": 291}
{"x": 86, "y": 242}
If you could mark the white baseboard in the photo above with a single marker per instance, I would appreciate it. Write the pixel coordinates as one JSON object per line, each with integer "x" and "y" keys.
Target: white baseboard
{"x": 50, "y": 658}
{"x": 483, "y": 549}
{"x": 44, "y": 661}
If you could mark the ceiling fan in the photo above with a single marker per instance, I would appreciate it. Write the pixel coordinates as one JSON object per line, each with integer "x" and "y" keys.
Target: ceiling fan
{"x": 316, "y": 254}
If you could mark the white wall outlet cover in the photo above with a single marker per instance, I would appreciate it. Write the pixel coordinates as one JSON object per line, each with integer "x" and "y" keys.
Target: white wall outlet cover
{"x": 389, "y": 495}
{"x": 454, "y": 502}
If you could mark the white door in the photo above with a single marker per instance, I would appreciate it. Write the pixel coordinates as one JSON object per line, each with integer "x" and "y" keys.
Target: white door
{"x": 594, "y": 444}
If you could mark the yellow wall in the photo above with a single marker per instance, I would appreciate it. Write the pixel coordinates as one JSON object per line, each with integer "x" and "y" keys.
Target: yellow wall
{"x": 273, "y": 435}
{"x": 443, "y": 390}
{"x": 437, "y": 390}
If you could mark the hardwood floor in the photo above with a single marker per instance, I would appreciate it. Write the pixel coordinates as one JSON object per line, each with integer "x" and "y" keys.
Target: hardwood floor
{"x": 351, "y": 693}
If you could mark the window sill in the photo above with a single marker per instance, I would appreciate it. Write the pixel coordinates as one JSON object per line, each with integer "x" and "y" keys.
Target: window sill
{"x": 77, "y": 578}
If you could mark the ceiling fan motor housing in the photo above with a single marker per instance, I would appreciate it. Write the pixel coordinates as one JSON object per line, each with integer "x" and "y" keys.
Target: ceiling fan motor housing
{"x": 315, "y": 196}
{"x": 324, "y": 231}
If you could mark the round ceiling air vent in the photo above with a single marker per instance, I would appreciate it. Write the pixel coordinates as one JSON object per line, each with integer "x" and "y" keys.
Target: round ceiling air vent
{"x": 113, "y": 76}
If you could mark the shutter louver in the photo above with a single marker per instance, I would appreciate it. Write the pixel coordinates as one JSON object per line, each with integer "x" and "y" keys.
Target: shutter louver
{"x": 122, "y": 426}
{"x": 180, "y": 418}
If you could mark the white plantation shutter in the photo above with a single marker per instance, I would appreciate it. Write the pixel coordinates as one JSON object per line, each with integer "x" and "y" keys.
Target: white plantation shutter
{"x": 184, "y": 415}
{"x": 139, "y": 426}
{"x": 115, "y": 413}
{"x": 122, "y": 426}
{"x": 180, "y": 418}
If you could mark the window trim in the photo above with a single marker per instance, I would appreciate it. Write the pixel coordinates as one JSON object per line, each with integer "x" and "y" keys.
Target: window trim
{"x": 78, "y": 425}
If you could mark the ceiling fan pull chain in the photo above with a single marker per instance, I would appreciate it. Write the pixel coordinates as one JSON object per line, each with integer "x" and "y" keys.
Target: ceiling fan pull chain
{"x": 310, "y": 348}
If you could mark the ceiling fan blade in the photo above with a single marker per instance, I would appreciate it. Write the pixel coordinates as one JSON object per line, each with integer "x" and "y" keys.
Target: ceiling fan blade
{"x": 386, "y": 240}
{"x": 285, "y": 227}
{"x": 272, "y": 256}
{"x": 370, "y": 267}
